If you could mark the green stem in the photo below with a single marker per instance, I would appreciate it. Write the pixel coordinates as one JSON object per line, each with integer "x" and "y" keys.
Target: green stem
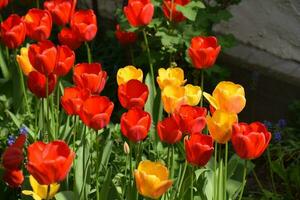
{"x": 37, "y": 3}
{"x": 172, "y": 161}
{"x": 48, "y": 192}
{"x": 271, "y": 172}
{"x": 220, "y": 174}
{"x": 244, "y": 179}
{"x": 215, "y": 173}
{"x": 192, "y": 184}
{"x": 202, "y": 87}
{"x": 1, "y": 18}
{"x": 88, "y": 50}
{"x": 258, "y": 181}
{"x": 225, "y": 170}
{"x": 181, "y": 179}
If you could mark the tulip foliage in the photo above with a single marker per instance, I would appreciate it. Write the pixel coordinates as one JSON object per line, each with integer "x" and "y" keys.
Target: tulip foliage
{"x": 158, "y": 134}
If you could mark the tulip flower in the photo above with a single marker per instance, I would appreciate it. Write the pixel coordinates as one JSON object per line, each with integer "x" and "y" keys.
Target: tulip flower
{"x": 23, "y": 61}
{"x": 139, "y": 12}
{"x": 127, "y": 73}
{"x": 170, "y": 11}
{"x": 170, "y": 76}
{"x": 151, "y": 179}
{"x": 96, "y": 111}
{"x": 193, "y": 94}
{"x": 37, "y": 84}
{"x": 73, "y": 99}
{"x": 169, "y": 130}
{"x": 43, "y": 56}
{"x": 250, "y": 140}
{"x": 65, "y": 60}
{"x": 90, "y": 76}
{"x": 204, "y": 51}
{"x": 133, "y": 94}
{"x": 125, "y": 37}
{"x": 173, "y": 97}
{"x": 192, "y": 118}
{"x": 3, "y": 3}
{"x": 227, "y": 96}
{"x": 84, "y": 24}
{"x": 13, "y": 31}
{"x": 70, "y": 38}
{"x": 14, "y": 178}
{"x": 49, "y": 163}
{"x": 41, "y": 192}
{"x": 61, "y": 11}
{"x": 198, "y": 149}
{"x": 220, "y": 125}
{"x": 135, "y": 124}
{"x": 38, "y": 24}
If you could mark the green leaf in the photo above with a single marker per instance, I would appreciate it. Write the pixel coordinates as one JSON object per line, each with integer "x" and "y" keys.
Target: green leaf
{"x": 3, "y": 65}
{"x": 64, "y": 195}
{"x": 104, "y": 193}
{"x": 191, "y": 9}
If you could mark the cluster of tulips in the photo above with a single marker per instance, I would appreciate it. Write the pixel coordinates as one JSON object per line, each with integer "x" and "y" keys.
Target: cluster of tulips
{"x": 203, "y": 131}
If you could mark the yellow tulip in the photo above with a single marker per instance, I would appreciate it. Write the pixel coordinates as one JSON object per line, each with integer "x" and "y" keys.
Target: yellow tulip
{"x": 220, "y": 125}
{"x": 193, "y": 94}
{"x": 24, "y": 62}
{"x": 227, "y": 96}
{"x": 173, "y": 97}
{"x": 40, "y": 191}
{"x": 170, "y": 76}
{"x": 127, "y": 73}
{"x": 152, "y": 179}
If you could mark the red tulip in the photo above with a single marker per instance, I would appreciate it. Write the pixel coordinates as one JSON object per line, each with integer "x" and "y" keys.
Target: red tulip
{"x": 125, "y": 37}
{"x": 68, "y": 37}
{"x": 61, "y": 10}
{"x": 90, "y": 76}
{"x": 192, "y": 118}
{"x": 38, "y": 24}
{"x": 250, "y": 141}
{"x": 65, "y": 60}
{"x": 96, "y": 111}
{"x": 37, "y": 83}
{"x": 13, "y": 31}
{"x": 171, "y": 12}
{"x": 169, "y": 130}
{"x": 198, "y": 149}
{"x": 73, "y": 99}
{"x": 204, "y": 51}
{"x": 3, "y": 3}
{"x": 84, "y": 24}
{"x": 14, "y": 178}
{"x": 135, "y": 124}
{"x": 43, "y": 56}
{"x": 133, "y": 94}
{"x": 49, "y": 163}
{"x": 139, "y": 12}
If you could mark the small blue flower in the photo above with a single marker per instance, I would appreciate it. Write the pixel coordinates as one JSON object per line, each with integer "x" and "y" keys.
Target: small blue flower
{"x": 23, "y": 130}
{"x": 281, "y": 123}
{"x": 268, "y": 124}
{"x": 11, "y": 140}
{"x": 277, "y": 136}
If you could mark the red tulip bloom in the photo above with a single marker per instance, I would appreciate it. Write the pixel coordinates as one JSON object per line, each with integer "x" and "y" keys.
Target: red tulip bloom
{"x": 204, "y": 51}
{"x": 73, "y": 99}
{"x": 133, "y": 94}
{"x": 192, "y": 118}
{"x": 13, "y": 31}
{"x": 139, "y": 12}
{"x": 90, "y": 76}
{"x": 61, "y": 10}
{"x": 37, "y": 83}
{"x": 96, "y": 111}
{"x": 3, "y": 3}
{"x": 135, "y": 124}
{"x": 171, "y": 12}
{"x": 84, "y": 24}
{"x": 65, "y": 60}
{"x": 43, "y": 56}
{"x": 38, "y": 24}
{"x": 198, "y": 149}
{"x": 250, "y": 141}
{"x": 125, "y": 37}
{"x": 169, "y": 129}
{"x": 14, "y": 178}
{"x": 49, "y": 163}
{"x": 68, "y": 37}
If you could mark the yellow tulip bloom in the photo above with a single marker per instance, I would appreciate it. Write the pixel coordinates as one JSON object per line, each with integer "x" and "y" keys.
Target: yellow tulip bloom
{"x": 152, "y": 179}
{"x": 227, "y": 96}
{"x": 220, "y": 125}
{"x": 127, "y": 73}
{"x": 173, "y": 97}
{"x": 170, "y": 76}
{"x": 193, "y": 94}
{"x": 24, "y": 62}
{"x": 40, "y": 191}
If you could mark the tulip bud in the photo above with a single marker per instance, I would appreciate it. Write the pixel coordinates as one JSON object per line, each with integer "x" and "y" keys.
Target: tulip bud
{"x": 126, "y": 148}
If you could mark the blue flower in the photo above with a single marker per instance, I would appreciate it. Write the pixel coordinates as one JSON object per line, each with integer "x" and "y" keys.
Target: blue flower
{"x": 23, "y": 130}
{"x": 281, "y": 123}
{"x": 277, "y": 136}
{"x": 11, "y": 140}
